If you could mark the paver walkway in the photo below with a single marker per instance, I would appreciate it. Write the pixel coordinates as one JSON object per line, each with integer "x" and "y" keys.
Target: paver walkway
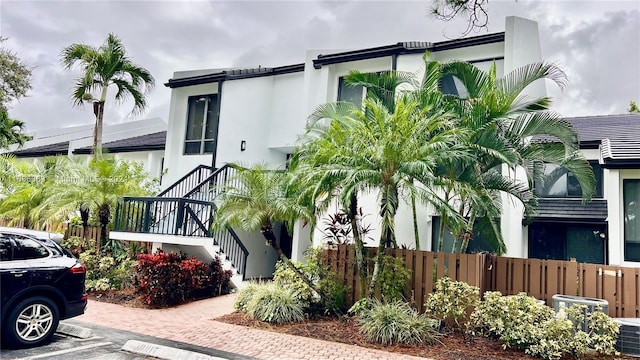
{"x": 192, "y": 323}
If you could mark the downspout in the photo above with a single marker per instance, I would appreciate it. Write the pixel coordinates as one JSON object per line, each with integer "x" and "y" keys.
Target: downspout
{"x": 218, "y": 102}
{"x": 394, "y": 62}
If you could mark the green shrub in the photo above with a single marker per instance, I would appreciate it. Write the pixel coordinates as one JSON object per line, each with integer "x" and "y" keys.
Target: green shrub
{"x": 273, "y": 303}
{"x": 397, "y": 323}
{"x": 245, "y": 295}
{"x": 521, "y": 322}
{"x": 392, "y": 283}
{"x": 314, "y": 269}
{"x": 452, "y": 302}
{"x": 76, "y": 245}
{"x": 104, "y": 272}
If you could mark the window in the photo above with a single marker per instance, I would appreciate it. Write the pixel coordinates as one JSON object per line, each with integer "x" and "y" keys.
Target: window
{"x": 478, "y": 243}
{"x": 5, "y": 249}
{"x": 202, "y": 121}
{"x": 349, "y": 93}
{"x": 631, "y": 197}
{"x": 559, "y": 183}
{"x": 27, "y": 249}
{"x": 556, "y": 241}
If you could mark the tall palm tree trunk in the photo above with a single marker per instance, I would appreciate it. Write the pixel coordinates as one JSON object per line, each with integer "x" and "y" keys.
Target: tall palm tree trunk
{"x": 388, "y": 207}
{"x": 98, "y": 110}
{"x": 416, "y": 232}
{"x": 361, "y": 260}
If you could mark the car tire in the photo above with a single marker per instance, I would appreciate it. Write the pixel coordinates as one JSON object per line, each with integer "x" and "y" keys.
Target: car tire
{"x": 31, "y": 322}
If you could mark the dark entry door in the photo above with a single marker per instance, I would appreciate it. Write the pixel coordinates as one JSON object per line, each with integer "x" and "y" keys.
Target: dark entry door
{"x": 559, "y": 241}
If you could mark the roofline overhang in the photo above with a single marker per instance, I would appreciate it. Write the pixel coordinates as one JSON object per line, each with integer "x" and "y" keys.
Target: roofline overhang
{"x": 401, "y": 48}
{"x": 121, "y": 149}
{"x": 565, "y": 220}
{"x": 233, "y": 75}
{"x": 27, "y": 154}
{"x": 610, "y": 163}
{"x": 590, "y": 144}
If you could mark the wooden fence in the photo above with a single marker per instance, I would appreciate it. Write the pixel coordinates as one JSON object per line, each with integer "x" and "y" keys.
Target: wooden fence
{"x": 541, "y": 279}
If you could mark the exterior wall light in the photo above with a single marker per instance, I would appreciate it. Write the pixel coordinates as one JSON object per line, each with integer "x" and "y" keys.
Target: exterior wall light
{"x": 243, "y": 145}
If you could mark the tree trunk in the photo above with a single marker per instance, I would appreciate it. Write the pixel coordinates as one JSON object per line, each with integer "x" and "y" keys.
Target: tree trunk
{"x": 84, "y": 215}
{"x": 416, "y": 233}
{"x": 104, "y": 215}
{"x": 98, "y": 110}
{"x": 377, "y": 268}
{"x": 361, "y": 259}
{"x": 388, "y": 208}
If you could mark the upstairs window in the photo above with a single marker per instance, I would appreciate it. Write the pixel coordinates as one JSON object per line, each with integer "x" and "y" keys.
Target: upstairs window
{"x": 202, "y": 119}
{"x": 350, "y": 93}
{"x": 559, "y": 183}
{"x": 631, "y": 200}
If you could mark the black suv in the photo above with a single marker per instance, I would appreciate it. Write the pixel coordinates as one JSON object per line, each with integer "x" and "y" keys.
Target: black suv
{"x": 41, "y": 284}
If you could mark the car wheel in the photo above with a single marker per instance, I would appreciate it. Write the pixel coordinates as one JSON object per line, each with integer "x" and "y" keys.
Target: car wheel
{"x": 31, "y": 322}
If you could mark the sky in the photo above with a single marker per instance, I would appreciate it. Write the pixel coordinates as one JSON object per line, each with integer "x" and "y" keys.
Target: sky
{"x": 597, "y": 43}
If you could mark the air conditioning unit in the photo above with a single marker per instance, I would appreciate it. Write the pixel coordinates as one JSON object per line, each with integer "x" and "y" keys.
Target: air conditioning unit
{"x": 564, "y": 301}
{"x": 629, "y": 338}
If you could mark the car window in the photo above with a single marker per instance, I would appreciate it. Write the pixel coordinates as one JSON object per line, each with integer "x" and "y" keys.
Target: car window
{"x": 5, "y": 249}
{"x": 27, "y": 249}
{"x": 54, "y": 248}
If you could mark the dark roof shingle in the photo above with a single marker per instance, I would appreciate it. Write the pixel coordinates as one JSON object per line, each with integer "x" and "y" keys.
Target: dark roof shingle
{"x": 61, "y": 148}
{"x": 155, "y": 141}
{"x": 571, "y": 210}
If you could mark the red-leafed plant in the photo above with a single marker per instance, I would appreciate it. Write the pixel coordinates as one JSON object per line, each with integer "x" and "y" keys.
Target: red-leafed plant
{"x": 166, "y": 279}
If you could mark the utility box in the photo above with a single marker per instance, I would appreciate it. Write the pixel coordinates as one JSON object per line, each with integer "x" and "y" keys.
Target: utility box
{"x": 564, "y": 301}
{"x": 629, "y": 338}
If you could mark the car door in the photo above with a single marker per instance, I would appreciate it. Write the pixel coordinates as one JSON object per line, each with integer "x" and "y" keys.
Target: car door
{"x": 14, "y": 274}
{"x": 43, "y": 269}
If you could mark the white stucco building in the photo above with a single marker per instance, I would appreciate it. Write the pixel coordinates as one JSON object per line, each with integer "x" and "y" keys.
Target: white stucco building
{"x": 255, "y": 115}
{"x": 250, "y": 116}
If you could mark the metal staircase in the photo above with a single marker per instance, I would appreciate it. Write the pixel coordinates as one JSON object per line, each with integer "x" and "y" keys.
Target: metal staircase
{"x": 186, "y": 208}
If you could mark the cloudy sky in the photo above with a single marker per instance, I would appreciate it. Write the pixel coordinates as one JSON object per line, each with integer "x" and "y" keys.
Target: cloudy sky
{"x": 596, "y": 42}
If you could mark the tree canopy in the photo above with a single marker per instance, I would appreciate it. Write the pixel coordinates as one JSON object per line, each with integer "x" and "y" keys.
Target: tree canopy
{"x": 103, "y": 67}
{"x": 15, "y": 82}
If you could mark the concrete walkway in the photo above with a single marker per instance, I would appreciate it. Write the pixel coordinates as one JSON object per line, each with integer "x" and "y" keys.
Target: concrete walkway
{"x": 192, "y": 323}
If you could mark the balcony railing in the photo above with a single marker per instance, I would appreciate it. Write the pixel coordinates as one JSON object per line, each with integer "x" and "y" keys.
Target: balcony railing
{"x": 165, "y": 216}
{"x": 188, "y": 182}
{"x": 190, "y": 214}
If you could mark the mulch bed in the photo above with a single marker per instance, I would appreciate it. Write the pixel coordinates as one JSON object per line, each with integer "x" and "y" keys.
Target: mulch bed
{"x": 451, "y": 347}
{"x": 346, "y": 330}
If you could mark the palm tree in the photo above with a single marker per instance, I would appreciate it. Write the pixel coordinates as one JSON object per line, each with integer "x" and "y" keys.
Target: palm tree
{"x": 354, "y": 150}
{"x": 501, "y": 121}
{"x": 103, "y": 67}
{"x": 94, "y": 187}
{"x": 11, "y": 130}
{"x": 25, "y": 186}
{"x": 257, "y": 199}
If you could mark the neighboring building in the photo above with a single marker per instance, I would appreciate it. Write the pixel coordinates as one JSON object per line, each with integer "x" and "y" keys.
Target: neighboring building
{"x": 250, "y": 116}
{"x": 140, "y": 140}
{"x": 607, "y": 229}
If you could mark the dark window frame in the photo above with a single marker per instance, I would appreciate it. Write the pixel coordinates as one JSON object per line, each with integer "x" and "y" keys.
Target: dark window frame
{"x": 211, "y": 107}
{"x": 597, "y": 172}
{"x": 342, "y": 84}
{"x": 631, "y": 246}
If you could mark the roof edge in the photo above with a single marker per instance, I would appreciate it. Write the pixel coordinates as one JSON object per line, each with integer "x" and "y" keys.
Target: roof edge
{"x": 234, "y": 74}
{"x": 120, "y": 149}
{"x": 406, "y": 48}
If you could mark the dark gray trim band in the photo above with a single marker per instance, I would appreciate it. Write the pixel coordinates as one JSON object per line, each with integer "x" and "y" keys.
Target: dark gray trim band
{"x": 233, "y": 75}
